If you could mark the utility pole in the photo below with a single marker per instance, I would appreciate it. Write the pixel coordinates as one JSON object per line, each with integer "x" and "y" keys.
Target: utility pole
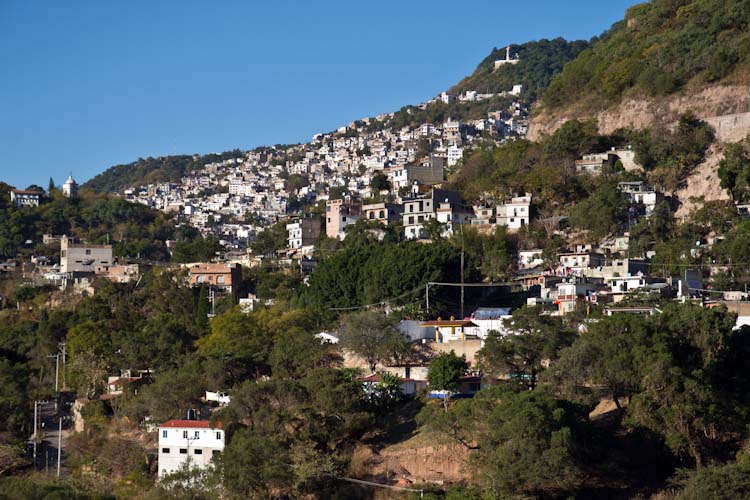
{"x": 36, "y": 425}
{"x": 59, "y": 446}
{"x": 62, "y": 345}
{"x": 462, "y": 271}
{"x": 57, "y": 373}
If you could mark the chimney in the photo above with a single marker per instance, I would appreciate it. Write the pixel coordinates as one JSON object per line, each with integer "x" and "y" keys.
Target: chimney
{"x": 507, "y": 53}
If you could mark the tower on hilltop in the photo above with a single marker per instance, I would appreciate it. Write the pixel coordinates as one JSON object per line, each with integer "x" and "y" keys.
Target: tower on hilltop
{"x": 70, "y": 188}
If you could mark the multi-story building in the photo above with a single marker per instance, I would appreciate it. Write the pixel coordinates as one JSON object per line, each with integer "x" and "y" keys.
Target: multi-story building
{"x": 515, "y": 213}
{"x": 417, "y": 211}
{"x": 303, "y": 232}
{"x": 222, "y": 277}
{"x": 384, "y": 213}
{"x": 188, "y": 443}
{"x": 340, "y": 214}
{"x": 24, "y": 198}
{"x": 82, "y": 257}
{"x": 452, "y": 216}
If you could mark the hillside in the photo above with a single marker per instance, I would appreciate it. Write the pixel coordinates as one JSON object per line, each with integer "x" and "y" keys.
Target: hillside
{"x": 665, "y": 55}
{"x": 151, "y": 170}
{"x": 538, "y": 62}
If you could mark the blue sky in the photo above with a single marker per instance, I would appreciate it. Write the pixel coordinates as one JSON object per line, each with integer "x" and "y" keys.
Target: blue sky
{"x": 87, "y": 85}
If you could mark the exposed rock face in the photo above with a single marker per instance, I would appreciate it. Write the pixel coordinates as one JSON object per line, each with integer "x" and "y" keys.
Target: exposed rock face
{"x": 704, "y": 182}
{"x": 725, "y": 107}
{"x": 711, "y": 102}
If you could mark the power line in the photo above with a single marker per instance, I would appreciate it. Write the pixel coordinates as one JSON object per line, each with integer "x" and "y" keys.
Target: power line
{"x": 383, "y": 302}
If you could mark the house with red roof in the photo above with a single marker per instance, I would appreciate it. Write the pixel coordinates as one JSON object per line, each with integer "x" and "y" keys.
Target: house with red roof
{"x": 191, "y": 442}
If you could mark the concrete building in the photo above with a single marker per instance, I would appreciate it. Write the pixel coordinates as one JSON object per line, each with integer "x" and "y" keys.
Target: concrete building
{"x": 339, "y": 215}
{"x": 82, "y": 257}
{"x": 225, "y": 278}
{"x": 452, "y": 216}
{"x": 417, "y": 211}
{"x": 515, "y": 213}
{"x": 428, "y": 175}
{"x": 455, "y": 155}
{"x": 192, "y": 442}
{"x": 384, "y": 213}
{"x": 304, "y": 232}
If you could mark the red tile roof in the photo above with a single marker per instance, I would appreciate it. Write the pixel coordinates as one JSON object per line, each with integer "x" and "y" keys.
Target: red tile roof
{"x": 190, "y": 424}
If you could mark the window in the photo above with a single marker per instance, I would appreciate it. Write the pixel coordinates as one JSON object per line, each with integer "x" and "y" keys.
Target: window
{"x": 164, "y": 434}
{"x": 215, "y": 452}
{"x": 198, "y": 451}
{"x": 62, "y": 254}
{"x": 183, "y": 451}
{"x": 197, "y": 434}
{"x": 411, "y": 208}
{"x": 343, "y": 219}
{"x": 218, "y": 435}
{"x": 220, "y": 279}
{"x": 382, "y": 214}
{"x": 201, "y": 279}
{"x": 165, "y": 450}
{"x": 184, "y": 434}
{"x": 371, "y": 215}
{"x": 411, "y": 219}
{"x": 420, "y": 218}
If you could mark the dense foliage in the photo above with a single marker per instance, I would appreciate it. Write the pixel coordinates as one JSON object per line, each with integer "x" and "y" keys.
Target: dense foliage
{"x": 153, "y": 170}
{"x": 539, "y": 61}
{"x": 134, "y": 230}
{"x": 659, "y": 48}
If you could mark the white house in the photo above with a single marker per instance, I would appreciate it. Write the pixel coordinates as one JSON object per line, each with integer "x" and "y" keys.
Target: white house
{"x": 515, "y": 213}
{"x": 188, "y": 441}
{"x": 528, "y": 259}
{"x": 455, "y": 154}
{"x": 24, "y": 198}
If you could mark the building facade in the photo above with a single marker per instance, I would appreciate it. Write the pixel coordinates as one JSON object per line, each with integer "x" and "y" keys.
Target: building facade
{"x": 23, "y": 198}
{"x": 304, "y": 232}
{"x": 339, "y": 215}
{"x": 82, "y": 257}
{"x": 188, "y": 442}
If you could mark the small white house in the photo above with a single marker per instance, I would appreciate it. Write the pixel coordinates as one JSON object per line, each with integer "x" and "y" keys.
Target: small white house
{"x": 188, "y": 441}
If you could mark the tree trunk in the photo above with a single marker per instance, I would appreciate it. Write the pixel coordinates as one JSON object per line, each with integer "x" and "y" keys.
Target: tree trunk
{"x": 616, "y": 399}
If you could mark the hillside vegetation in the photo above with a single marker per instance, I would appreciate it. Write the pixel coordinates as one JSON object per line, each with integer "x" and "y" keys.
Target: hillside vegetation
{"x": 539, "y": 62}
{"x": 661, "y": 47}
{"x": 152, "y": 170}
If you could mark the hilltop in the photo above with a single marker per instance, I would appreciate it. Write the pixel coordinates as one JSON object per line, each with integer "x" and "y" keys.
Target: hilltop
{"x": 538, "y": 62}
{"x": 153, "y": 170}
{"x": 663, "y": 58}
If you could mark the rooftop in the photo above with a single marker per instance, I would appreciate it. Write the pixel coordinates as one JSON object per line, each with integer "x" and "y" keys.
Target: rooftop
{"x": 190, "y": 424}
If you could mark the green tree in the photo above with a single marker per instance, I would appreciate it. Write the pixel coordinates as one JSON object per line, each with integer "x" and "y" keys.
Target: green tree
{"x": 367, "y": 334}
{"x": 606, "y": 355}
{"x": 380, "y": 182}
{"x": 445, "y": 373}
{"x": 238, "y": 343}
{"x": 693, "y": 389}
{"x": 531, "y": 341}
{"x": 532, "y": 444}
{"x": 734, "y": 170}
